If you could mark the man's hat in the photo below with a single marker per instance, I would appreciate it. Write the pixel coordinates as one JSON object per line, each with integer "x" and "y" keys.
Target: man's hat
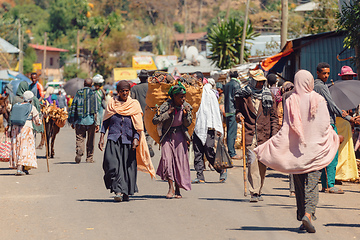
{"x": 257, "y": 75}
{"x": 346, "y": 70}
{"x": 143, "y": 73}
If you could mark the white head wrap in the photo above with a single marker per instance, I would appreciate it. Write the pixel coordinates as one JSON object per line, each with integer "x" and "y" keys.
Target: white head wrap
{"x": 28, "y": 95}
{"x": 98, "y": 78}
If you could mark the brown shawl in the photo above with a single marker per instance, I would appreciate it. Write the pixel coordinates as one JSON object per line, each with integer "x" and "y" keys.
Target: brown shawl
{"x": 132, "y": 108}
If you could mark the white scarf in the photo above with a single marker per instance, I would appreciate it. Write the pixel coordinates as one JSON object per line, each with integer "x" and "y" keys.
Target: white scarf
{"x": 208, "y": 115}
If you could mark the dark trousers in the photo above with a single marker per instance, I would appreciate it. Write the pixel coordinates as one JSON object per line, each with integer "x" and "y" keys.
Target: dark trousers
{"x": 81, "y": 131}
{"x": 306, "y": 193}
{"x": 231, "y": 125}
{"x": 200, "y": 150}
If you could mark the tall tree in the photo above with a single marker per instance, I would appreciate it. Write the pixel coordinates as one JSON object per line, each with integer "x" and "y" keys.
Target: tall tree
{"x": 225, "y": 40}
{"x": 349, "y": 20}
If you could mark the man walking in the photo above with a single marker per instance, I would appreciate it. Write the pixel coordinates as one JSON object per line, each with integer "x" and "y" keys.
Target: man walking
{"x": 36, "y": 87}
{"x": 328, "y": 173}
{"x": 139, "y": 92}
{"x": 83, "y": 117}
{"x": 255, "y": 104}
{"x": 208, "y": 125}
{"x": 230, "y": 111}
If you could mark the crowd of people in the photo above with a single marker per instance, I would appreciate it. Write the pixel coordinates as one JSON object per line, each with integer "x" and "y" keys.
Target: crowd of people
{"x": 293, "y": 127}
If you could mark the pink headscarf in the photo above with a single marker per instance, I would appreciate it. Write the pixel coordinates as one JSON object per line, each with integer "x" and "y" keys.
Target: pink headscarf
{"x": 306, "y": 141}
{"x": 304, "y": 85}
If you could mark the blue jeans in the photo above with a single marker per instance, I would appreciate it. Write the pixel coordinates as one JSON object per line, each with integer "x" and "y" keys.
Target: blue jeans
{"x": 231, "y": 125}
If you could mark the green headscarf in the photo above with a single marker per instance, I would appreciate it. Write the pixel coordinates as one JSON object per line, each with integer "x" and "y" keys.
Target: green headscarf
{"x": 176, "y": 89}
{"x": 23, "y": 87}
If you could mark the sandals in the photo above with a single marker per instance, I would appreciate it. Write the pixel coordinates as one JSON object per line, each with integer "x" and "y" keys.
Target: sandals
{"x": 19, "y": 173}
{"x": 308, "y": 225}
{"x": 196, "y": 180}
{"x": 223, "y": 176}
{"x": 118, "y": 198}
{"x": 334, "y": 190}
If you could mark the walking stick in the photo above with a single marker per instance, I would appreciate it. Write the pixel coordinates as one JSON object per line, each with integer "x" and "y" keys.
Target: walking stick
{"x": 46, "y": 146}
{"x": 244, "y": 154}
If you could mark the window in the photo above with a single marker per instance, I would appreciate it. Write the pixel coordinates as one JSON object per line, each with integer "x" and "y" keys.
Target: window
{"x": 51, "y": 61}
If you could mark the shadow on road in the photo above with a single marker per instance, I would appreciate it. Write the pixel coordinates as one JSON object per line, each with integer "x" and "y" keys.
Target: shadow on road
{"x": 65, "y": 163}
{"x": 143, "y": 197}
{"x": 277, "y": 175}
{"x": 274, "y": 195}
{"x": 225, "y": 199}
{"x": 341, "y": 225}
{"x": 333, "y": 207}
{"x": 256, "y": 228}
{"x": 96, "y": 200}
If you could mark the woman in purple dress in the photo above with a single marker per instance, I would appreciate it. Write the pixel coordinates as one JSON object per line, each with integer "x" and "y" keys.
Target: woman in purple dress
{"x": 174, "y": 116}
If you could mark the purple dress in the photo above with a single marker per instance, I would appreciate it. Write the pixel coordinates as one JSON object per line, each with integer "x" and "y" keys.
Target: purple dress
{"x": 174, "y": 162}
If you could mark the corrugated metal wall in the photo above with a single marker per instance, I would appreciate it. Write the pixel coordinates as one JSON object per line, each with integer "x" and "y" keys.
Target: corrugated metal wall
{"x": 325, "y": 50}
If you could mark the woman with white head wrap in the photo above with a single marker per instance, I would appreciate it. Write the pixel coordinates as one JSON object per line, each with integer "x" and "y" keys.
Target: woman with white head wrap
{"x": 22, "y": 154}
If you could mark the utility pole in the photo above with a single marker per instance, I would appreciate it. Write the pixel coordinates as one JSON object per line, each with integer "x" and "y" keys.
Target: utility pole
{"x": 244, "y": 32}
{"x": 284, "y": 22}
{"x": 78, "y": 49}
{"x": 185, "y": 30}
{"x": 20, "y": 44}
{"x": 43, "y": 72}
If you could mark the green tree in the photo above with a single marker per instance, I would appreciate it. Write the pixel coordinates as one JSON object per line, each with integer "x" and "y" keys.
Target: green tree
{"x": 349, "y": 21}
{"x": 72, "y": 71}
{"x": 324, "y": 17}
{"x": 225, "y": 40}
{"x": 29, "y": 59}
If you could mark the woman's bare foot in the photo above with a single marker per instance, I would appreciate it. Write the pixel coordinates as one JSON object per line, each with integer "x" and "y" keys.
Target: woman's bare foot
{"x": 171, "y": 191}
{"x": 177, "y": 191}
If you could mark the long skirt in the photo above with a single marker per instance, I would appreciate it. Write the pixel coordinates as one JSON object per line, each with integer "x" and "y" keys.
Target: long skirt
{"x": 120, "y": 168}
{"x": 22, "y": 148}
{"x": 174, "y": 162}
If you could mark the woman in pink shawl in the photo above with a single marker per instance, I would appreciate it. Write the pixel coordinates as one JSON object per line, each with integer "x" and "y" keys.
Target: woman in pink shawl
{"x": 305, "y": 144}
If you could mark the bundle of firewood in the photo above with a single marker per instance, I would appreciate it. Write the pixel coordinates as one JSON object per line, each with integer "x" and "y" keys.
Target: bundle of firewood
{"x": 56, "y": 114}
{"x": 161, "y": 77}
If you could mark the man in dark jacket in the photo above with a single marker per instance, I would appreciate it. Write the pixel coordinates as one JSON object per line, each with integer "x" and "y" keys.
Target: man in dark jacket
{"x": 139, "y": 92}
{"x": 83, "y": 118}
{"x": 255, "y": 104}
{"x": 230, "y": 111}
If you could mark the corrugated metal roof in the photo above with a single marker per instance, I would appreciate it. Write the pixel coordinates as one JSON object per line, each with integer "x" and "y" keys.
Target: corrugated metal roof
{"x": 325, "y": 50}
{"x": 48, "y": 48}
{"x": 8, "y": 47}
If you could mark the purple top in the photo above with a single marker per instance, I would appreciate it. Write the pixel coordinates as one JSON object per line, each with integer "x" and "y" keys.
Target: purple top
{"x": 120, "y": 127}
{"x": 178, "y": 117}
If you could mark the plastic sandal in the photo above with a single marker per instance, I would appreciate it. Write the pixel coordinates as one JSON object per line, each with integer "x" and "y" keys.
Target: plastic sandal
{"x": 196, "y": 180}
{"x": 19, "y": 173}
{"x": 335, "y": 190}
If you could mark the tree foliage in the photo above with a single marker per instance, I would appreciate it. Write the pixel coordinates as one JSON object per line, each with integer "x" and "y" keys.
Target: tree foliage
{"x": 225, "y": 40}
{"x": 324, "y": 17}
{"x": 349, "y": 21}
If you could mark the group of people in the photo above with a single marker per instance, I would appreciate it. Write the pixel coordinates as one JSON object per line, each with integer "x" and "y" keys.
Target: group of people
{"x": 291, "y": 128}
{"x": 305, "y": 147}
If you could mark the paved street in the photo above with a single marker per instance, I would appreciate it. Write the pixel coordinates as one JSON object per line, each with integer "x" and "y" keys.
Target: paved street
{"x": 71, "y": 202}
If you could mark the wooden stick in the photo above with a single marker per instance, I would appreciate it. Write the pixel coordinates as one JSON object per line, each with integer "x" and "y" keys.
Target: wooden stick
{"x": 46, "y": 146}
{"x": 244, "y": 154}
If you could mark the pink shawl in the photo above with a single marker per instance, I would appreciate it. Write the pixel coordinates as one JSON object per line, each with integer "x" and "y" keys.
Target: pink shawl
{"x": 306, "y": 141}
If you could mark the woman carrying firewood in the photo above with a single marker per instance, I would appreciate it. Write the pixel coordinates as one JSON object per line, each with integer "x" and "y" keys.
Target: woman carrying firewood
{"x": 174, "y": 116}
